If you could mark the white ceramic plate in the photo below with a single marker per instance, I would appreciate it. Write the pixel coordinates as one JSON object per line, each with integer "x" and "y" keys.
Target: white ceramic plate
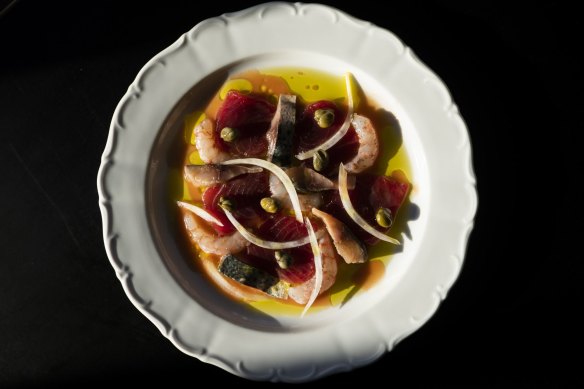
{"x": 134, "y": 203}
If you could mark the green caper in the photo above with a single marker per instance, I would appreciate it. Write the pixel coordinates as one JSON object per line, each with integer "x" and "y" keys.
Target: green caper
{"x": 228, "y": 134}
{"x": 226, "y": 204}
{"x": 324, "y": 117}
{"x": 283, "y": 258}
{"x": 383, "y": 217}
{"x": 269, "y": 204}
{"x": 320, "y": 160}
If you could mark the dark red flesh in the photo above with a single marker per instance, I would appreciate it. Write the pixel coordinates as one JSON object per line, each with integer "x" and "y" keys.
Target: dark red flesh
{"x": 309, "y": 135}
{"x": 245, "y": 192}
{"x": 371, "y": 192}
{"x": 283, "y": 228}
{"x": 250, "y": 115}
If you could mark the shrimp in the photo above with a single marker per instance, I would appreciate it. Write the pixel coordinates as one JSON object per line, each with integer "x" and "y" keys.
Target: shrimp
{"x": 205, "y": 143}
{"x": 368, "y": 145}
{"x": 351, "y": 249}
{"x": 307, "y": 201}
{"x": 301, "y": 292}
{"x": 207, "y": 175}
{"x": 210, "y": 242}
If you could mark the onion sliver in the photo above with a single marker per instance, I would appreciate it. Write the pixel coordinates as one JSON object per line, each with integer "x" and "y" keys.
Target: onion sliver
{"x": 317, "y": 266}
{"x": 200, "y": 212}
{"x": 278, "y": 172}
{"x": 267, "y": 244}
{"x": 346, "y": 200}
{"x": 330, "y": 142}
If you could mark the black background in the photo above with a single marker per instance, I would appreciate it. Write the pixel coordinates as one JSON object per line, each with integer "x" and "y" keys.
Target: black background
{"x": 512, "y": 316}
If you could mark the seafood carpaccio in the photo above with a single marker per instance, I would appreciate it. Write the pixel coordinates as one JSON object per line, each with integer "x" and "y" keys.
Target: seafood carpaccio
{"x": 294, "y": 184}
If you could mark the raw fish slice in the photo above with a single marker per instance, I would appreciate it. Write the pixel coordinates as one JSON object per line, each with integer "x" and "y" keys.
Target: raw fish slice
{"x": 245, "y": 192}
{"x": 232, "y": 267}
{"x": 281, "y": 132}
{"x": 348, "y": 246}
{"x": 371, "y": 192}
{"x": 250, "y": 116}
{"x": 211, "y": 174}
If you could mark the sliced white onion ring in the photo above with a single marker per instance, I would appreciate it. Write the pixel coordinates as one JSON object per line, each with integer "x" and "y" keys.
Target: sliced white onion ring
{"x": 267, "y": 244}
{"x": 330, "y": 142}
{"x": 344, "y": 192}
{"x": 200, "y": 212}
{"x": 278, "y": 172}
{"x": 318, "y": 275}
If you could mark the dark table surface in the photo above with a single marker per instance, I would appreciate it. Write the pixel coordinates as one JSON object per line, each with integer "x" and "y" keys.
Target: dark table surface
{"x": 510, "y": 317}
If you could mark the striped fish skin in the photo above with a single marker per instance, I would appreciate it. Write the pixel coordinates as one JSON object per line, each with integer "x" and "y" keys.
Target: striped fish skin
{"x": 230, "y": 266}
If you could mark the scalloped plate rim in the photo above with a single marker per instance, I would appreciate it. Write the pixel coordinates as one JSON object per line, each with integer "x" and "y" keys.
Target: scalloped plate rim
{"x": 125, "y": 274}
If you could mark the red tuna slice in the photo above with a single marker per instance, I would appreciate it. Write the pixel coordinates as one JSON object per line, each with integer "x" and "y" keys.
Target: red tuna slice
{"x": 343, "y": 151}
{"x": 245, "y": 192}
{"x": 251, "y": 116}
{"x": 371, "y": 192}
{"x": 283, "y": 228}
{"x": 308, "y": 134}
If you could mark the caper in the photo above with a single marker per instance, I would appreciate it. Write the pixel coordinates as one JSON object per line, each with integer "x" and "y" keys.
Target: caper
{"x": 383, "y": 217}
{"x": 269, "y": 204}
{"x": 283, "y": 258}
{"x": 324, "y": 117}
{"x": 320, "y": 160}
{"x": 226, "y": 204}
{"x": 228, "y": 134}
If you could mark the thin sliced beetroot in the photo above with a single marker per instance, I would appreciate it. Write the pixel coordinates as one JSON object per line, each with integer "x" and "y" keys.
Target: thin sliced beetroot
{"x": 245, "y": 192}
{"x": 370, "y": 193}
{"x": 251, "y": 116}
{"x": 283, "y": 228}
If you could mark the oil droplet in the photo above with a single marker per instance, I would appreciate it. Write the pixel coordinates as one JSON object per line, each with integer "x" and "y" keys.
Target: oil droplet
{"x": 263, "y": 88}
{"x": 301, "y": 73}
{"x": 315, "y": 87}
{"x": 307, "y": 86}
